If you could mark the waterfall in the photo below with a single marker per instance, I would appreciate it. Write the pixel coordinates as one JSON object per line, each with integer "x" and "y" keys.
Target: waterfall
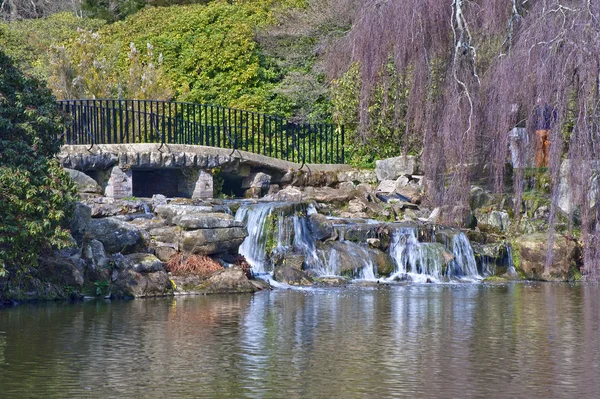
{"x": 511, "y": 271}
{"x": 254, "y": 247}
{"x": 276, "y": 229}
{"x": 463, "y": 264}
{"x": 432, "y": 261}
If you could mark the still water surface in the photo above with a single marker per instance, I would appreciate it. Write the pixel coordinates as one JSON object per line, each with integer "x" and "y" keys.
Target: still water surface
{"x": 427, "y": 341}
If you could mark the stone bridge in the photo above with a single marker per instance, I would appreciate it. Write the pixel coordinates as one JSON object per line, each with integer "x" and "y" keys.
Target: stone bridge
{"x": 190, "y": 171}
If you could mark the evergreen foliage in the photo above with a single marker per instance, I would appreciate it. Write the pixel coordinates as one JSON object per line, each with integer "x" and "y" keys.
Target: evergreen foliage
{"x": 36, "y": 194}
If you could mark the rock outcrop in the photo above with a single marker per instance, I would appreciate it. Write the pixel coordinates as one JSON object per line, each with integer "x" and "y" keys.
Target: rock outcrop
{"x": 533, "y": 250}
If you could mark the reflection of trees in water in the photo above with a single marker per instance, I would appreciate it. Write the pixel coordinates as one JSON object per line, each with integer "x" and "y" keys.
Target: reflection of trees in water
{"x": 530, "y": 340}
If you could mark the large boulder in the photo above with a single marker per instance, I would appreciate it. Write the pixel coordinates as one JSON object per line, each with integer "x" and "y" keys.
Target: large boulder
{"x": 95, "y": 254}
{"x": 130, "y": 283}
{"x": 393, "y": 168}
{"x": 60, "y": 269}
{"x": 344, "y": 258}
{"x": 142, "y": 263}
{"x": 287, "y": 194}
{"x": 229, "y": 281}
{"x": 478, "y": 198}
{"x": 206, "y": 221}
{"x": 169, "y": 212}
{"x": 80, "y": 221}
{"x": 292, "y": 276}
{"x": 116, "y": 235}
{"x": 326, "y": 194}
{"x": 320, "y": 227}
{"x": 492, "y": 222}
{"x": 212, "y": 241}
{"x": 257, "y": 180}
{"x": 383, "y": 261}
{"x": 85, "y": 184}
{"x": 532, "y": 251}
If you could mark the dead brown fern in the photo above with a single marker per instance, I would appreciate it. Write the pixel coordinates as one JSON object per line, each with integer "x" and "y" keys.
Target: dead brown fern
{"x": 198, "y": 265}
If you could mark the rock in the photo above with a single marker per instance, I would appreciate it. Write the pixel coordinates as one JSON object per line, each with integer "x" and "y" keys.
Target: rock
{"x": 229, "y": 281}
{"x": 383, "y": 261}
{"x": 169, "y": 212}
{"x": 357, "y": 176}
{"x": 59, "y": 269}
{"x": 479, "y": 197}
{"x": 374, "y": 242}
{"x": 273, "y": 189}
{"x": 148, "y": 224}
{"x": 253, "y": 192}
{"x": 346, "y": 186}
{"x": 532, "y": 250}
{"x": 288, "y": 194}
{"x": 402, "y": 181}
{"x": 386, "y": 186}
{"x": 492, "y": 222}
{"x": 104, "y": 207}
{"x": 257, "y": 180}
{"x": 412, "y": 193}
{"x": 95, "y": 253}
{"x": 326, "y": 194}
{"x": 142, "y": 263}
{"x": 206, "y": 221}
{"x": 80, "y": 221}
{"x": 320, "y": 227}
{"x": 295, "y": 261}
{"x": 85, "y": 184}
{"x": 348, "y": 258}
{"x": 291, "y": 276}
{"x": 115, "y": 235}
{"x": 159, "y": 199}
{"x": 167, "y": 235}
{"x": 356, "y": 206}
{"x": 393, "y": 168}
{"x": 164, "y": 252}
{"x": 130, "y": 283}
{"x": 212, "y": 241}
{"x": 434, "y": 217}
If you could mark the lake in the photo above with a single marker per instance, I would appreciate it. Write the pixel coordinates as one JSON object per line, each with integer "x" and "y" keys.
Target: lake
{"x": 428, "y": 341}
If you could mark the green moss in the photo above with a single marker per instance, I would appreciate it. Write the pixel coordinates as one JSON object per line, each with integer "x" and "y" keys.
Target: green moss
{"x": 269, "y": 230}
{"x": 574, "y": 274}
{"x": 516, "y": 259}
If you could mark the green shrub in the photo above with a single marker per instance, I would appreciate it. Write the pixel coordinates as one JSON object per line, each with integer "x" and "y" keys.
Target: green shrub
{"x": 385, "y": 136}
{"x": 36, "y": 194}
{"x": 28, "y": 42}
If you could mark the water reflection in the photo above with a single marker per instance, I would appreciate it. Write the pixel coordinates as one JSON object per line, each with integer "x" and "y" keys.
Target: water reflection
{"x": 530, "y": 340}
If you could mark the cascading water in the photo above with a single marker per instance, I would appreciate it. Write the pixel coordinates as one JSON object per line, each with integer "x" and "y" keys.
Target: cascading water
{"x": 276, "y": 229}
{"x": 432, "y": 261}
{"x": 511, "y": 271}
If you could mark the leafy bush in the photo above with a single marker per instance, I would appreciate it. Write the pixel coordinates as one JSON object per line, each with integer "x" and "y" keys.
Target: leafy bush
{"x": 36, "y": 194}
{"x": 29, "y": 42}
{"x": 89, "y": 68}
{"x": 385, "y": 133}
{"x": 209, "y": 54}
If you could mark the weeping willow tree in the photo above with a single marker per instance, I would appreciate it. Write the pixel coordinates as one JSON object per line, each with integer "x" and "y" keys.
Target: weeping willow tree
{"x": 470, "y": 70}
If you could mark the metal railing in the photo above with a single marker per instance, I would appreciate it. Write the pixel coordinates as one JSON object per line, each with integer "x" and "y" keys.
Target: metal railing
{"x": 149, "y": 121}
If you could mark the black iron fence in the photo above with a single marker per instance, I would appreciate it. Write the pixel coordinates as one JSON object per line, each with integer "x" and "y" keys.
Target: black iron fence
{"x": 148, "y": 121}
